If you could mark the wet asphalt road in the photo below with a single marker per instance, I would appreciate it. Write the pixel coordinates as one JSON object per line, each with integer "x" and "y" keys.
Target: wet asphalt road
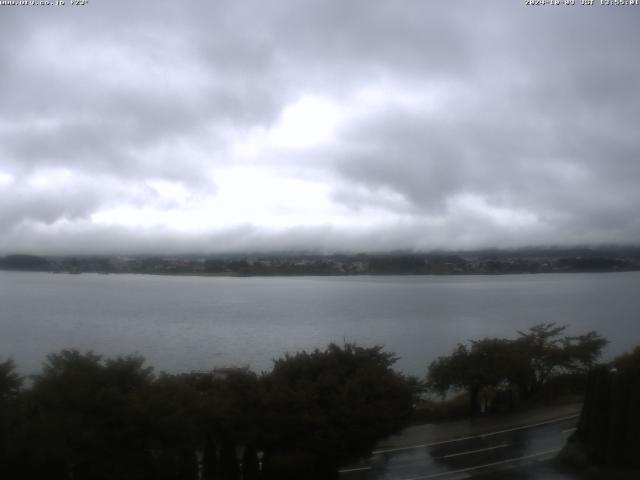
{"x": 478, "y": 455}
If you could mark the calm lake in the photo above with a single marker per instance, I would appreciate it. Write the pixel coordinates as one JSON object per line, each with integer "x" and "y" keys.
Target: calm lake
{"x": 186, "y": 323}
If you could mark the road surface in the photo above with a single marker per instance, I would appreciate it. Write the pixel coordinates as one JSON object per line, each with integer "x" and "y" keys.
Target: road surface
{"x": 511, "y": 448}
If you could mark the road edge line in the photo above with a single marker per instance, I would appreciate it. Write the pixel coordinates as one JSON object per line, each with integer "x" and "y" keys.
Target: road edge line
{"x": 492, "y": 464}
{"x": 477, "y": 435}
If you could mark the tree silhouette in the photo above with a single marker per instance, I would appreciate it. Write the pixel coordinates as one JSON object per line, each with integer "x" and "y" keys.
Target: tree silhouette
{"x": 10, "y": 381}
{"x": 486, "y": 363}
{"x": 328, "y": 407}
{"x": 526, "y": 363}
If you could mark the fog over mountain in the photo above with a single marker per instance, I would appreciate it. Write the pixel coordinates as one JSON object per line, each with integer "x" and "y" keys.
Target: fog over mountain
{"x": 330, "y": 125}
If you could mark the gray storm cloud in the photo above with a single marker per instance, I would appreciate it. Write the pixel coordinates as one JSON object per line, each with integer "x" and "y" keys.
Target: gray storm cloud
{"x": 357, "y": 125}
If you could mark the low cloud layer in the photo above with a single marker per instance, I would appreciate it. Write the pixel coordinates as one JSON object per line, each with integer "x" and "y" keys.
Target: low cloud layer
{"x": 357, "y": 125}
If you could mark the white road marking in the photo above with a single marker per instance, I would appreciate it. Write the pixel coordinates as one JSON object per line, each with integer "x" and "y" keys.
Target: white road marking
{"x": 492, "y": 464}
{"x": 479, "y": 435}
{"x": 547, "y": 422}
{"x": 356, "y": 469}
{"x": 469, "y": 452}
{"x": 399, "y": 449}
{"x": 567, "y": 430}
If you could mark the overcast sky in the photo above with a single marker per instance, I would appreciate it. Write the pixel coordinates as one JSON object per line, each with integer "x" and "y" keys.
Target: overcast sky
{"x": 330, "y": 125}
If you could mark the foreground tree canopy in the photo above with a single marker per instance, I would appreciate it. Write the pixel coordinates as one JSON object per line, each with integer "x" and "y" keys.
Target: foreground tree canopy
{"x": 521, "y": 366}
{"x": 609, "y": 428}
{"x": 87, "y": 417}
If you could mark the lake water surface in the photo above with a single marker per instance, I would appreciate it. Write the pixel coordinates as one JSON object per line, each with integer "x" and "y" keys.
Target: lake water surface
{"x": 186, "y": 323}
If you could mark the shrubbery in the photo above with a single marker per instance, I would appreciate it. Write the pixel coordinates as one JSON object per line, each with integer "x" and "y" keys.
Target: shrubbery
{"x": 540, "y": 362}
{"x": 609, "y": 428}
{"x": 87, "y": 417}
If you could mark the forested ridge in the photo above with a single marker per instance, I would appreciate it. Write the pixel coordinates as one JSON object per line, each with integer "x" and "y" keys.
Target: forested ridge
{"x": 533, "y": 260}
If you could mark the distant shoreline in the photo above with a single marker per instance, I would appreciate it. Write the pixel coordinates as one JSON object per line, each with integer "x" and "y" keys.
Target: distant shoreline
{"x": 491, "y": 262}
{"x": 325, "y": 275}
